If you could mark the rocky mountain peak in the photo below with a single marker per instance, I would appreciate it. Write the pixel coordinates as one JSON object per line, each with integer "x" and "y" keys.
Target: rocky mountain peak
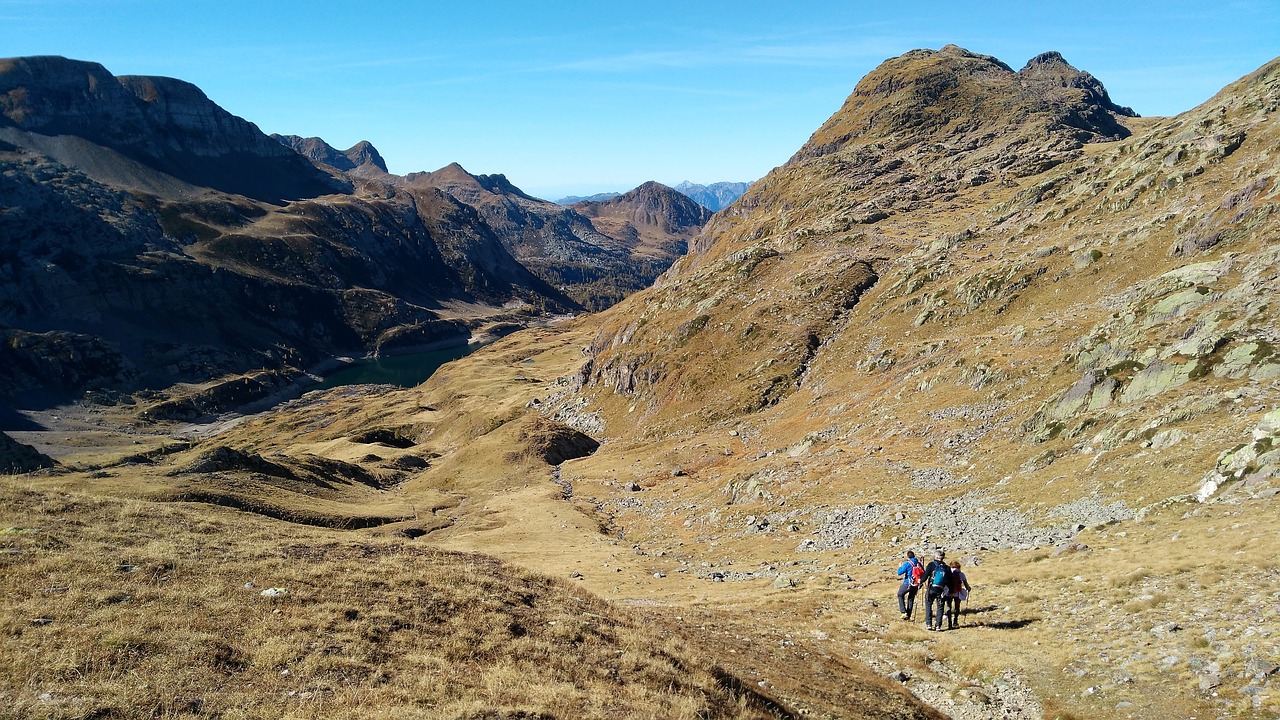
{"x": 498, "y": 183}
{"x": 364, "y": 153}
{"x": 925, "y": 95}
{"x": 651, "y": 203}
{"x": 360, "y": 159}
{"x": 1051, "y": 78}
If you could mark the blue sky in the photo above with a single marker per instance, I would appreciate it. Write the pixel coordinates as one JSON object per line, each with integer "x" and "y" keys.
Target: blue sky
{"x": 579, "y": 97}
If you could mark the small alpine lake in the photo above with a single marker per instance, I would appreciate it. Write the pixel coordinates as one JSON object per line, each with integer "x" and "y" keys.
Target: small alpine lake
{"x": 403, "y": 370}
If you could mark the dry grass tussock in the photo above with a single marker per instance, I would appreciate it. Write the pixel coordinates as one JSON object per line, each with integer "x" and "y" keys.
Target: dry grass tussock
{"x": 121, "y": 608}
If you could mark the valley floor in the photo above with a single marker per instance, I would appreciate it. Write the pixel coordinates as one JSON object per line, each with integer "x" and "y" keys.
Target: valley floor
{"x": 1169, "y": 614}
{"x": 1128, "y": 620}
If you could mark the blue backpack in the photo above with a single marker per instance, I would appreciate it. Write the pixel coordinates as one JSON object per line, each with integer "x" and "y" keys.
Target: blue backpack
{"x": 941, "y": 575}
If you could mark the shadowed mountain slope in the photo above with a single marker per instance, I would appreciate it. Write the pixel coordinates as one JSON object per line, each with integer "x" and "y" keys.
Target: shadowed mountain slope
{"x": 150, "y": 237}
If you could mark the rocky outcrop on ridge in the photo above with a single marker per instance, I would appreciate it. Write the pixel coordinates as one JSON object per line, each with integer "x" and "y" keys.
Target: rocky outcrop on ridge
{"x": 1079, "y": 98}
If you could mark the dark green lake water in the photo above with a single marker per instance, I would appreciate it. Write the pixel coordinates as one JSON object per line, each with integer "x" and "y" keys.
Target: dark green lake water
{"x": 403, "y": 370}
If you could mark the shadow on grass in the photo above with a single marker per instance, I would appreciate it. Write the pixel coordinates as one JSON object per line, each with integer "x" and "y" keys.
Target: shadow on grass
{"x": 994, "y": 624}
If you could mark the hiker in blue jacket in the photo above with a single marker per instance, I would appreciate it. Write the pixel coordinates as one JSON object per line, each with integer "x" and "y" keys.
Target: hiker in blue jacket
{"x": 937, "y": 578}
{"x": 912, "y": 574}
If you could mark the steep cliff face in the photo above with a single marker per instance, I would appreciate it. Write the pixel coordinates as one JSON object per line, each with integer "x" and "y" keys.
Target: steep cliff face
{"x": 166, "y": 124}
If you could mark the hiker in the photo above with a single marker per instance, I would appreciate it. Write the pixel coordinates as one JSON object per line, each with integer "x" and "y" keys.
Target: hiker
{"x": 912, "y": 574}
{"x": 957, "y": 592}
{"x": 937, "y": 577}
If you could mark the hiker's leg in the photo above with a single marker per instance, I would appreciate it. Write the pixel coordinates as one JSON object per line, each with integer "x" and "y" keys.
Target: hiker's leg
{"x": 902, "y": 597}
{"x": 911, "y": 601}
{"x": 934, "y": 616}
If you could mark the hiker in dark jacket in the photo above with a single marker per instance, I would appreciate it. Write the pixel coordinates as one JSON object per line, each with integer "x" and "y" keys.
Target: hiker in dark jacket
{"x": 957, "y": 591}
{"x": 937, "y": 577}
{"x": 912, "y": 574}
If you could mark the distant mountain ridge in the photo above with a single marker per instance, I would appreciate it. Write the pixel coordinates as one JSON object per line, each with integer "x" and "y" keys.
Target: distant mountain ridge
{"x": 595, "y": 260}
{"x": 716, "y": 196}
{"x": 598, "y": 197}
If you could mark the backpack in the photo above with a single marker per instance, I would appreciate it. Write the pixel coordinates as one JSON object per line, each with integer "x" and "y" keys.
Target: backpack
{"x": 941, "y": 576}
{"x": 957, "y": 582}
{"x": 917, "y": 574}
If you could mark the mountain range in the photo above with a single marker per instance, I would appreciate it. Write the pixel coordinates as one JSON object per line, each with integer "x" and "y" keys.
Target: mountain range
{"x": 984, "y": 311}
{"x": 714, "y": 197}
{"x": 156, "y": 238}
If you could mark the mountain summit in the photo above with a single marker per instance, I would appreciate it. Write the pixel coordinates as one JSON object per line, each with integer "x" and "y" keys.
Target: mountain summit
{"x": 360, "y": 159}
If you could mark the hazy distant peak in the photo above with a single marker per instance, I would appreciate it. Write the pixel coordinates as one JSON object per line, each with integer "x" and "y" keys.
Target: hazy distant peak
{"x": 714, "y": 197}
{"x": 598, "y": 197}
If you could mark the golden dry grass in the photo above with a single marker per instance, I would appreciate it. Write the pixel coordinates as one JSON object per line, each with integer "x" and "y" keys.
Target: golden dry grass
{"x": 121, "y": 608}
